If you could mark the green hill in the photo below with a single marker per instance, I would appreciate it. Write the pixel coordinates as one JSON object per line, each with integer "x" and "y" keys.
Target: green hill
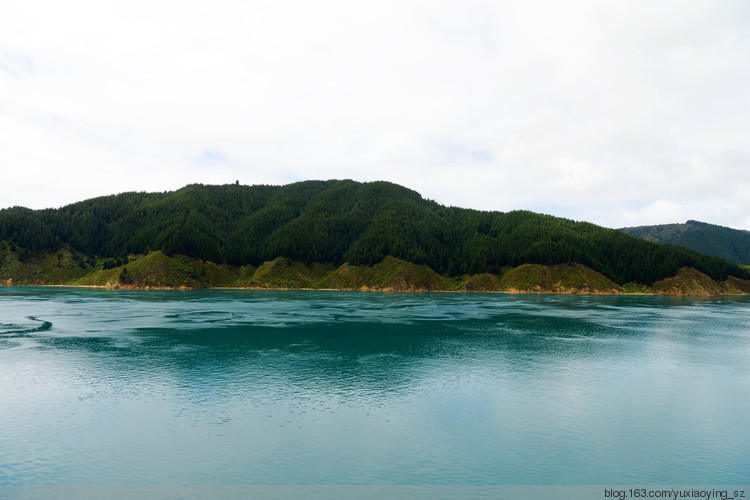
{"x": 324, "y": 223}
{"x": 730, "y": 244}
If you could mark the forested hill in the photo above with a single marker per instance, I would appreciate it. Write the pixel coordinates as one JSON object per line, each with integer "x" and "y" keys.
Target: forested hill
{"x": 731, "y": 244}
{"x": 336, "y": 222}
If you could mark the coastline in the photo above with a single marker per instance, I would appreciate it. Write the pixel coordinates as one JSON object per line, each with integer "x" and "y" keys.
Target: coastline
{"x": 372, "y": 290}
{"x": 157, "y": 271}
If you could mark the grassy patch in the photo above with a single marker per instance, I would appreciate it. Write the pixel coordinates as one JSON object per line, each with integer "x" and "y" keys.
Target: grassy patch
{"x": 157, "y": 270}
{"x": 688, "y": 282}
{"x": 563, "y": 278}
{"x": 632, "y": 287}
{"x": 736, "y": 286}
{"x": 55, "y": 268}
{"x": 391, "y": 274}
{"x": 479, "y": 283}
{"x": 283, "y": 273}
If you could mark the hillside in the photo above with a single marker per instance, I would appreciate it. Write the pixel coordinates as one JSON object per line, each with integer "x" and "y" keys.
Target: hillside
{"x": 730, "y": 244}
{"x": 157, "y": 270}
{"x": 324, "y": 223}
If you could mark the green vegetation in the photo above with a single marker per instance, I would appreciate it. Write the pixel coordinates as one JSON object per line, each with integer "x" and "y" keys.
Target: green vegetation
{"x": 730, "y": 244}
{"x": 736, "y": 286}
{"x": 54, "y": 268}
{"x": 484, "y": 282}
{"x": 688, "y": 282}
{"x": 283, "y": 273}
{"x": 391, "y": 274}
{"x": 327, "y": 234}
{"x": 566, "y": 278}
{"x": 157, "y": 270}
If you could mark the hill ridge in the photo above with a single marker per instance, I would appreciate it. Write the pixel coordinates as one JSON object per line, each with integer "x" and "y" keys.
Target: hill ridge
{"x": 336, "y": 222}
{"x": 712, "y": 239}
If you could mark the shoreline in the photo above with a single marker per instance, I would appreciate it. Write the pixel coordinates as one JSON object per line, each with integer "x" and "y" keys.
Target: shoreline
{"x": 368, "y": 290}
{"x": 156, "y": 271}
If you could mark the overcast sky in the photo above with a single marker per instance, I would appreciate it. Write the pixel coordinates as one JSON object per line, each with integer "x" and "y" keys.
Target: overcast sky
{"x": 620, "y": 113}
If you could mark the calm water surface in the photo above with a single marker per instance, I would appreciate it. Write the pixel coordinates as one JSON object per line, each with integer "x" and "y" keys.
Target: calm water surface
{"x": 245, "y": 387}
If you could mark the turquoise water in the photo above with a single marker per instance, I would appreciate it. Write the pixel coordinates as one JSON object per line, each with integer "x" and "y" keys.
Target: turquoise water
{"x": 248, "y": 387}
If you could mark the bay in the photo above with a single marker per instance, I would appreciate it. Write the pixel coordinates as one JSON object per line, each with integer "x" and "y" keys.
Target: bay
{"x": 321, "y": 387}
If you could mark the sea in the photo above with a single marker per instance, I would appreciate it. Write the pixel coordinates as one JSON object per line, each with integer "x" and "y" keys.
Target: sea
{"x": 336, "y": 392}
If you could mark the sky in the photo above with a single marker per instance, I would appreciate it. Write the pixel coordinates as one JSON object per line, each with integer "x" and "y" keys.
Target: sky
{"x": 621, "y": 113}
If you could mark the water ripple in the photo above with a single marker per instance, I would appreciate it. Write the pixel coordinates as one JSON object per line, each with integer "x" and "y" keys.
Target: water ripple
{"x": 45, "y": 325}
{"x": 233, "y": 387}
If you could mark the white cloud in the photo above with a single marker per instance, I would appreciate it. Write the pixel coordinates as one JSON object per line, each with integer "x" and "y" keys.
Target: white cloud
{"x": 660, "y": 210}
{"x": 603, "y": 111}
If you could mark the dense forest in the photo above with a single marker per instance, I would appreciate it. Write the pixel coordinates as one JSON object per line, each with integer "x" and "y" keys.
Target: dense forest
{"x": 340, "y": 221}
{"x": 730, "y": 244}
